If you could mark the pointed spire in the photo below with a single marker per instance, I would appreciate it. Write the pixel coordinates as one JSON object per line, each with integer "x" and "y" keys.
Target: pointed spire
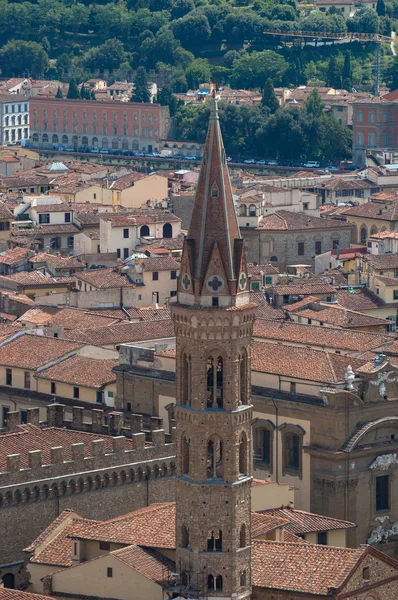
{"x": 213, "y": 256}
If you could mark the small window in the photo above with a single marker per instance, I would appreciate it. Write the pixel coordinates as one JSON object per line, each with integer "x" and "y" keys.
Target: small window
{"x": 155, "y": 276}
{"x": 292, "y": 387}
{"x": 67, "y": 217}
{"x": 94, "y": 196}
{"x": 8, "y": 376}
{"x": 23, "y": 416}
{"x": 44, "y": 219}
{"x": 366, "y": 573}
{"x": 126, "y": 233}
{"x": 214, "y": 301}
{"x": 139, "y": 297}
{"x": 76, "y": 392}
{"x": 100, "y": 397}
{"x": 395, "y": 294}
{"x": 382, "y": 492}
{"x": 53, "y": 388}
{"x": 173, "y": 274}
{"x": 125, "y": 252}
{"x": 322, "y": 538}
{"x": 173, "y": 293}
{"x": 118, "y": 253}
{"x": 318, "y": 247}
{"x": 105, "y": 546}
{"x": 75, "y": 548}
{"x": 300, "y": 248}
{"x": 109, "y": 572}
{"x": 306, "y": 205}
{"x": 27, "y": 380}
{"x": 292, "y": 451}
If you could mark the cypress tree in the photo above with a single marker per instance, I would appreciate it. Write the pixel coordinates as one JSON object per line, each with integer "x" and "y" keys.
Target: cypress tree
{"x": 73, "y": 91}
{"x": 141, "y": 91}
{"x": 269, "y": 97}
{"x": 59, "y": 93}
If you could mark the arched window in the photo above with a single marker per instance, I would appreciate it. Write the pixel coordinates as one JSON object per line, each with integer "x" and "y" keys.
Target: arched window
{"x": 184, "y": 579}
{"x": 167, "y": 230}
{"x": 135, "y": 145}
{"x": 186, "y": 380}
{"x": 6, "y": 121}
{"x": 364, "y": 234}
{"x": 242, "y": 578}
{"x": 55, "y": 125}
{"x": 214, "y": 458}
{"x": 371, "y": 116}
{"x": 35, "y": 137}
{"x": 252, "y": 210}
{"x": 144, "y": 231}
{"x": 210, "y": 582}
{"x": 373, "y": 231}
{"x": 125, "y": 144}
{"x": 85, "y": 141}
{"x": 274, "y": 259}
{"x": 9, "y": 580}
{"x": 242, "y": 536}
{"x": 65, "y": 139}
{"x": 105, "y": 128}
{"x": 185, "y": 455}
{"x": 95, "y": 128}
{"x": 184, "y": 537}
{"x": 292, "y": 445}
{"x": 55, "y": 139}
{"x": 95, "y": 142}
{"x": 360, "y": 138}
{"x": 45, "y": 138}
{"x": 214, "y": 541}
{"x": 371, "y": 139}
{"x": 219, "y": 582}
{"x": 75, "y": 140}
{"x": 84, "y": 127}
{"x": 215, "y": 382}
{"x": 104, "y": 142}
{"x": 243, "y": 210}
{"x": 243, "y": 377}
{"x": 243, "y": 454}
{"x": 115, "y": 144}
{"x": 359, "y": 116}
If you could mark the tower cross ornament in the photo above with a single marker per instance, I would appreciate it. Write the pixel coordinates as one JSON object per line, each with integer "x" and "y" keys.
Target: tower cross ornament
{"x": 242, "y": 281}
{"x": 214, "y": 283}
{"x": 186, "y": 281}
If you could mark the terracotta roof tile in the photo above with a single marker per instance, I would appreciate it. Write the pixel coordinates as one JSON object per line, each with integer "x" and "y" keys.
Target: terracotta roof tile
{"x": 47, "y": 208}
{"x": 326, "y": 337}
{"x": 301, "y": 362}
{"x": 75, "y": 318}
{"x": 304, "y": 288}
{"x": 14, "y": 256}
{"x": 160, "y": 263}
{"x": 34, "y": 278}
{"x": 304, "y": 568}
{"x": 33, "y": 351}
{"x": 302, "y": 522}
{"x": 382, "y": 261}
{"x": 150, "y": 563}
{"x": 66, "y": 262}
{"x": 123, "y": 333}
{"x": 358, "y": 299}
{"x": 284, "y": 220}
{"x": 105, "y": 278}
{"x": 82, "y": 371}
{"x": 341, "y": 317}
{"x": 9, "y": 594}
{"x": 375, "y": 210}
{"x": 255, "y": 270}
{"x": 261, "y": 525}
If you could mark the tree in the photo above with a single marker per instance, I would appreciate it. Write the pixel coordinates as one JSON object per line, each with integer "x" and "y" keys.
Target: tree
{"x": 313, "y": 104}
{"x": 248, "y": 70}
{"x": 198, "y": 72}
{"x": 381, "y": 8}
{"x": 364, "y": 20}
{"x": 108, "y": 55}
{"x": 269, "y": 97}
{"x": 73, "y": 91}
{"x": 59, "y": 93}
{"x": 347, "y": 73}
{"x": 192, "y": 30}
{"x": 334, "y": 71}
{"x": 18, "y": 57}
{"x": 181, "y": 8}
{"x": 141, "y": 91}
{"x": 166, "y": 97}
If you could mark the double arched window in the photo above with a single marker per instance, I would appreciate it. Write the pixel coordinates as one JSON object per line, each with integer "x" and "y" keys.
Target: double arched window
{"x": 214, "y": 457}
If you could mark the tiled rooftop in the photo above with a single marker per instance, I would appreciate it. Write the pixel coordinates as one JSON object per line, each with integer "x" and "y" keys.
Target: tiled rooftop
{"x": 105, "y": 278}
{"x": 375, "y": 210}
{"x": 82, "y": 371}
{"x": 33, "y": 351}
{"x": 326, "y": 337}
{"x": 302, "y": 522}
{"x": 284, "y": 220}
{"x": 304, "y": 288}
{"x": 341, "y": 317}
{"x": 159, "y": 263}
{"x": 151, "y": 564}
{"x": 122, "y": 333}
{"x": 301, "y": 568}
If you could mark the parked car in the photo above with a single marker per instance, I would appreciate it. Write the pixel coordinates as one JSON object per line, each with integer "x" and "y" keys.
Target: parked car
{"x": 312, "y": 164}
{"x": 261, "y": 162}
{"x": 249, "y": 161}
{"x": 68, "y": 149}
{"x": 94, "y": 150}
{"x": 331, "y": 168}
{"x": 190, "y": 157}
{"x": 139, "y": 154}
{"x": 104, "y": 151}
{"x": 272, "y": 163}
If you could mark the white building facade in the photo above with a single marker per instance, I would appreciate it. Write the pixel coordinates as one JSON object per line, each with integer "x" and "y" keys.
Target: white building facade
{"x": 14, "y": 118}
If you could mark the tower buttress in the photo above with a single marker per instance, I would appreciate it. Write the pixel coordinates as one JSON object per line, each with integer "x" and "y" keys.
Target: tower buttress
{"x": 213, "y": 320}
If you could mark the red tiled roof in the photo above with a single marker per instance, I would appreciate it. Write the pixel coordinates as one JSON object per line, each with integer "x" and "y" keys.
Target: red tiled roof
{"x": 327, "y": 337}
{"x": 160, "y": 263}
{"x": 46, "y": 208}
{"x": 382, "y": 261}
{"x": 105, "y": 278}
{"x": 342, "y": 317}
{"x": 150, "y": 563}
{"x": 302, "y": 568}
{"x": 123, "y": 333}
{"x": 33, "y": 351}
{"x": 301, "y": 362}
{"x": 303, "y": 288}
{"x": 261, "y": 526}
{"x": 375, "y": 210}
{"x": 75, "y": 318}
{"x": 9, "y": 594}
{"x": 256, "y": 270}
{"x": 357, "y": 299}
{"x": 83, "y": 371}
{"x": 14, "y": 256}
{"x": 302, "y": 522}
{"x": 284, "y": 220}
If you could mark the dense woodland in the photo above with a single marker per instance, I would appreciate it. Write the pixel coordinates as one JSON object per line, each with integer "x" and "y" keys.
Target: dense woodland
{"x": 194, "y": 41}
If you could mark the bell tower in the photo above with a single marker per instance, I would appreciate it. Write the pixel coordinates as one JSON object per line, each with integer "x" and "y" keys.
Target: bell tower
{"x": 213, "y": 320}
